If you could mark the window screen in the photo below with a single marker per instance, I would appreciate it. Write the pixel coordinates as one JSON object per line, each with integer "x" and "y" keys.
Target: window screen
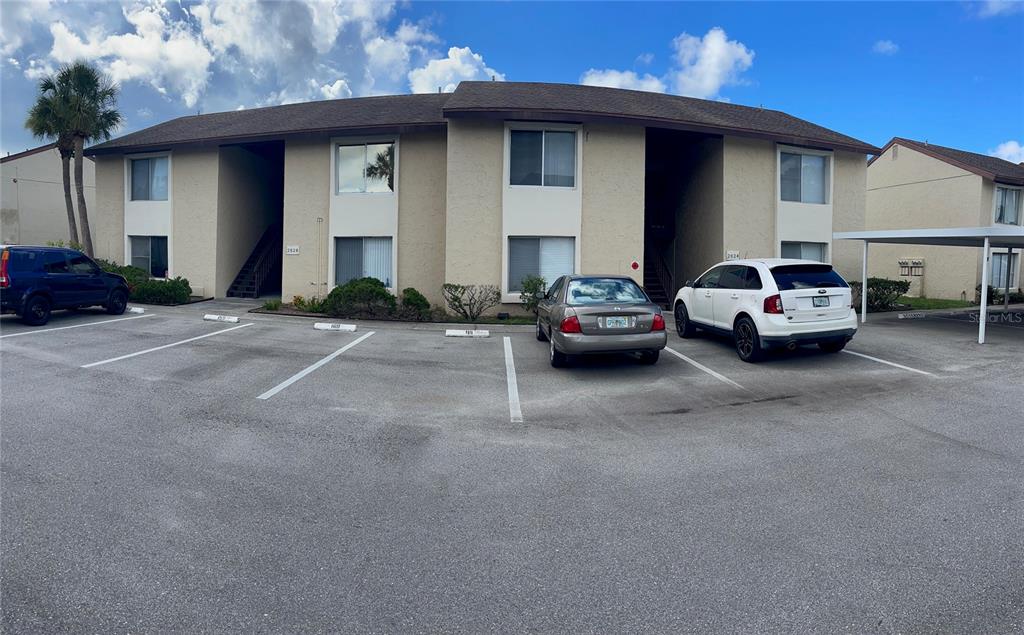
{"x": 542, "y": 158}
{"x": 149, "y": 179}
{"x": 149, "y": 253}
{"x": 547, "y": 257}
{"x": 365, "y": 167}
{"x": 803, "y": 178}
{"x": 526, "y": 152}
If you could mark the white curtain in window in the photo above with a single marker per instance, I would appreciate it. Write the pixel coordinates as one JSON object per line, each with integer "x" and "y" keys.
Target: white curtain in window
{"x": 139, "y": 251}
{"x": 812, "y": 178}
{"x": 560, "y": 159}
{"x": 557, "y": 257}
{"x": 1007, "y": 206}
{"x": 158, "y": 179}
{"x": 377, "y": 259}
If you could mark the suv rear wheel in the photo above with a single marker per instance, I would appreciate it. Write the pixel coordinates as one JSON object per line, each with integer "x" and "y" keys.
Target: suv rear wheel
{"x": 117, "y": 302}
{"x": 748, "y": 342}
{"x": 36, "y": 311}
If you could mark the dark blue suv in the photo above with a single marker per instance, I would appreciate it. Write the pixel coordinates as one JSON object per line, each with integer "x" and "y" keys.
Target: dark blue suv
{"x": 37, "y": 280}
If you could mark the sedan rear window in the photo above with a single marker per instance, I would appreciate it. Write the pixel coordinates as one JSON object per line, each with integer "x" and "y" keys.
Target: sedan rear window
{"x": 604, "y": 290}
{"x": 789, "y": 277}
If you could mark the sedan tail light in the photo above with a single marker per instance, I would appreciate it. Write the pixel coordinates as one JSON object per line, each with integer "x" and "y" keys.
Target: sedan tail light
{"x": 5, "y": 281}
{"x": 658, "y": 324}
{"x": 773, "y": 304}
{"x": 570, "y": 324}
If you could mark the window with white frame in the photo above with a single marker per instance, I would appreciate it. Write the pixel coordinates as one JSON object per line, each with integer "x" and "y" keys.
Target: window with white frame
{"x": 366, "y": 257}
{"x": 1007, "y": 203}
{"x": 149, "y": 179}
{"x": 542, "y": 157}
{"x": 546, "y": 256}
{"x": 365, "y": 167}
{"x": 999, "y": 270}
{"x": 149, "y": 253}
{"x": 803, "y": 177}
{"x": 804, "y": 251}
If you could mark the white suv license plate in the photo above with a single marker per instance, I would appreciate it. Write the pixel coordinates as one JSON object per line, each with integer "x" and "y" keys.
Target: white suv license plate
{"x": 616, "y": 322}
{"x": 819, "y": 302}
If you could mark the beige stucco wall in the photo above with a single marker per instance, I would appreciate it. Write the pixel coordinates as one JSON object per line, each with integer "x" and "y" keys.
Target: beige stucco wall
{"x": 194, "y": 221}
{"x": 612, "y": 233}
{"x": 473, "y": 224}
{"x": 33, "y": 209}
{"x": 307, "y": 188}
{"x": 699, "y": 227}
{"x": 108, "y": 219}
{"x": 916, "y": 191}
{"x": 421, "y": 213}
{"x": 849, "y": 209}
{"x": 247, "y": 205}
{"x": 749, "y": 192}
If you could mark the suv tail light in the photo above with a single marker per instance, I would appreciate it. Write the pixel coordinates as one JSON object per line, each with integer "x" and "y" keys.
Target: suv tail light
{"x": 659, "y": 322}
{"x": 773, "y": 304}
{"x": 5, "y": 281}
{"x": 570, "y": 324}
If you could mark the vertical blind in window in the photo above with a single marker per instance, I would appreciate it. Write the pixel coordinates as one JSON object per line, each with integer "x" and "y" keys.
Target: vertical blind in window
{"x": 803, "y": 177}
{"x": 362, "y": 258}
{"x": 547, "y": 257}
{"x": 149, "y": 179}
{"x": 1007, "y": 206}
{"x": 999, "y": 271}
{"x": 542, "y": 158}
{"x": 149, "y": 253}
{"x": 804, "y": 251}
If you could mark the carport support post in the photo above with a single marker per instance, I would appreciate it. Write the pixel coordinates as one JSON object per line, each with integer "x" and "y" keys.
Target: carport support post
{"x": 864, "y": 286}
{"x": 984, "y": 293}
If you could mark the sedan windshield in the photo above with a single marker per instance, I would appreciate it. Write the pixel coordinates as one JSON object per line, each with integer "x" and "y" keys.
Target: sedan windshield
{"x": 789, "y": 277}
{"x": 604, "y": 291}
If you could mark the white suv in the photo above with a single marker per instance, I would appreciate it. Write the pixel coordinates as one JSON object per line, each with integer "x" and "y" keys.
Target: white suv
{"x": 774, "y": 302}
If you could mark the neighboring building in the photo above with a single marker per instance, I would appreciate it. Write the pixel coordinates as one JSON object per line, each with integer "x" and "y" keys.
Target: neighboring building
{"x": 481, "y": 186}
{"x": 915, "y": 185}
{"x": 33, "y": 209}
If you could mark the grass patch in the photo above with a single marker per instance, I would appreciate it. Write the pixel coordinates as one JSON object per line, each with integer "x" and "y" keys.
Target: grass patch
{"x": 922, "y": 304}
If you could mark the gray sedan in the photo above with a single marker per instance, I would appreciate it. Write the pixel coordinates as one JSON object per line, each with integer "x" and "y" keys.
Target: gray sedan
{"x": 599, "y": 314}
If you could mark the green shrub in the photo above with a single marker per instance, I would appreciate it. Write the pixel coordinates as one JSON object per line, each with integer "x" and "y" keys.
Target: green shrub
{"x": 533, "y": 290}
{"x": 271, "y": 305}
{"x": 469, "y": 301}
{"x": 883, "y": 293}
{"x": 173, "y": 291}
{"x": 310, "y": 305}
{"x": 414, "y": 306}
{"x": 70, "y": 244}
{"x": 133, "y": 275}
{"x": 362, "y": 297}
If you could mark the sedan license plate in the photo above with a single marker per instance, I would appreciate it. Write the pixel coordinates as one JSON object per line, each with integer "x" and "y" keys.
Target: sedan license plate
{"x": 616, "y": 322}
{"x": 820, "y": 301}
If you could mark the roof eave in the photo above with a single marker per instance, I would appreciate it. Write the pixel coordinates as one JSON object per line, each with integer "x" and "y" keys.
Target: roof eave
{"x": 654, "y": 122}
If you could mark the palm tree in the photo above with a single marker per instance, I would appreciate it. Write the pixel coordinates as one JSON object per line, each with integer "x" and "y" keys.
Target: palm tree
{"x": 47, "y": 119}
{"x": 83, "y": 108}
{"x": 383, "y": 167}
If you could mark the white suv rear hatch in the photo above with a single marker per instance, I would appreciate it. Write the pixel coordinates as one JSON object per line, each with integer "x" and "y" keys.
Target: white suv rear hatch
{"x": 812, "y": 292}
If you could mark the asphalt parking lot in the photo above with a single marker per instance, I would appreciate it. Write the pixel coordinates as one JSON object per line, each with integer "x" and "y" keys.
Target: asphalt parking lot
{"x": 163, "y": 473}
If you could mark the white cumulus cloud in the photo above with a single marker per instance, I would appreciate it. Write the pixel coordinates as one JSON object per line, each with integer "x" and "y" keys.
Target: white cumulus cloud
{"x": 338, "y": 90}
{"x": 623, "y": 79}
{"x": 460, "y": 64}
{"x": 886, "y": 47}
{"x": 16, "y": 20}
{"x": 993, "y": 8}
{"x": 1011, "y": 150}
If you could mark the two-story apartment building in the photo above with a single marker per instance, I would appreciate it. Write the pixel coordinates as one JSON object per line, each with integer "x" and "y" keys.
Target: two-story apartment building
{"x": 484, "y": 185}
{"x": 913, "y": 185}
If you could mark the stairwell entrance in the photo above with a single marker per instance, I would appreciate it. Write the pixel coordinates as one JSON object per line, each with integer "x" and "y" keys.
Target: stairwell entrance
{"x": 250, "y": 219}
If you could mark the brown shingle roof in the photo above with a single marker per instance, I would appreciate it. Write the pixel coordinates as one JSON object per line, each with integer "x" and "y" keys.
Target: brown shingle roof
{"x": 512, "y": 100}
{"x": 392, "y": 112}
{"x": 530, "y": 100}
{"x": 989, "y": 167}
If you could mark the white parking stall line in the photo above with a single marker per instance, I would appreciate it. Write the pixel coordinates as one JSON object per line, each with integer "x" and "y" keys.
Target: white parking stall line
{"x": 514, "y": 410}
{"x": 302, "y": 373}
{"x": 160, "y": 348}
{"x": 702, "y": 367}
{"x": 888, "y": 363}
{"x": 76, "y": 326}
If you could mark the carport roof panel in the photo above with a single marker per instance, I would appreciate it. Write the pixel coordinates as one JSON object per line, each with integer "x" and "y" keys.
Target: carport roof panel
{"x": 999, "y": 236}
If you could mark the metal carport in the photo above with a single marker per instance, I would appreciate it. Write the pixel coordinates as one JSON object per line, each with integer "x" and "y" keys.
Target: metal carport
{"x": 1007, "y": 237}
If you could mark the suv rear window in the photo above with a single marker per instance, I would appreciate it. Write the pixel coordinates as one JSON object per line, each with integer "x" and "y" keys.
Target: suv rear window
{"x": 23, "y": 260}
{"x": 789, "y": 277}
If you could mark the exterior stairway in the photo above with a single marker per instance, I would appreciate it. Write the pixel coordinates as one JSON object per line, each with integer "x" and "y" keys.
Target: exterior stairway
{"x": 653, "y": 286}
{"x": 263, "y": 261}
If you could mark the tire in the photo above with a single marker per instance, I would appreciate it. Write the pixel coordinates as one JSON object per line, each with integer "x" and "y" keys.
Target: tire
{"x": 748, "y": 342}
{"x": 649, "y": 358}
{"x": 117, "y": 302}
{"x": 541, "y": 336}
{"x": 684, "y": 327}
{"x": 36, "y": 311}
{"x": 558, "y": 358}
{"x": 832, "y": 347}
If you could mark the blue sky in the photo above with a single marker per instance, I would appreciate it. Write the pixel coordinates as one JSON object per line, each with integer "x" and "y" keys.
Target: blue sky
{"x": 946, "y": 72}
